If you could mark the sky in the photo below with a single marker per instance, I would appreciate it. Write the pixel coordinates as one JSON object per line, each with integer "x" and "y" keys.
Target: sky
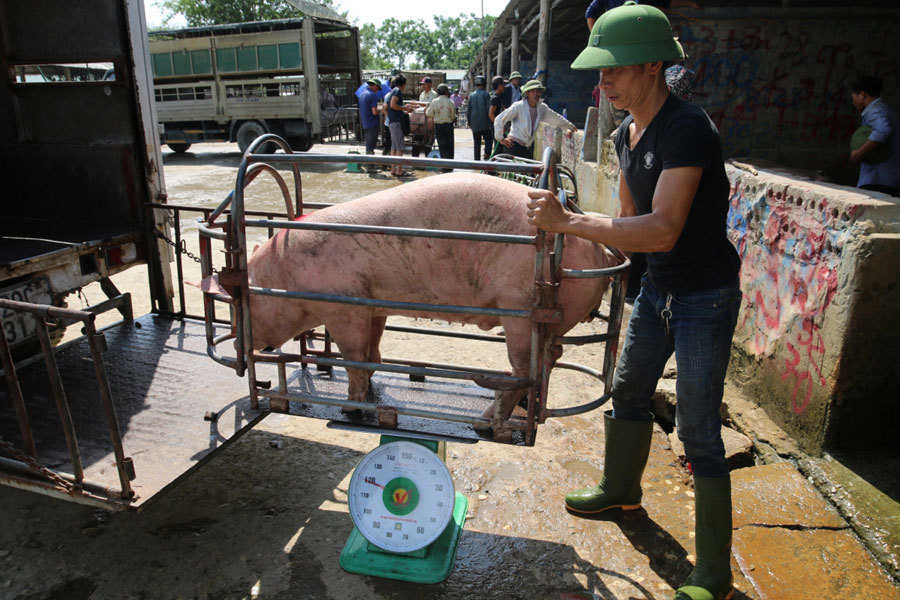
{"x": 374, "y": 11}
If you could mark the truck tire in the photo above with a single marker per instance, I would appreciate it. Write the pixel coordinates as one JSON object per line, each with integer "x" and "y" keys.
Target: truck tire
{"x": 303, "y": 141}
{"x": 249, "y": 131}
{"x": 178, "y": 148}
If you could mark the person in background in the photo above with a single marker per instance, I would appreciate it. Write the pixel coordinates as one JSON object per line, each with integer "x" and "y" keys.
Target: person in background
{"x": 443, "y": 111}
{"x": 369, "y": 117}
{"x": 395, "y": 108}
{"x": 598, "y": 7}
{"x": 878, "y": 151}
{"x": 385, "y": 126}
{"x": 477, "y": 117}
{"x": 498, "y": 84}
{"x": 427, "y": 94}
{"x": 513, "y": 92}
{"x": 456, "y": 98}
{"x": 524, "y": 117}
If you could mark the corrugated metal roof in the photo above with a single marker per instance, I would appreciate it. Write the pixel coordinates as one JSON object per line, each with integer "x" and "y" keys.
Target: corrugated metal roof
{"x": 314, "y": 9}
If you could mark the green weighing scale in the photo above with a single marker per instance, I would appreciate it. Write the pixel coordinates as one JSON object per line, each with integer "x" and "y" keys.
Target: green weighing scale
{"x": 407, "y": 514}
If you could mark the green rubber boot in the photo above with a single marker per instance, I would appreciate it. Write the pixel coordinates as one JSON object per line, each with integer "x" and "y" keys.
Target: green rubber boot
{"x": 711, "y": 578}
{"x": 627, "y": 449}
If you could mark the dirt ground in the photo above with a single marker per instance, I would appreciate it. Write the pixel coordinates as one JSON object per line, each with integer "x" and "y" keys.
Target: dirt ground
{"x": 267, "y": 517}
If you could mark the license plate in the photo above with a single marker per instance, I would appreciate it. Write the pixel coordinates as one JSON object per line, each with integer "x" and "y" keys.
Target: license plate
{"x": 20, "y": 326}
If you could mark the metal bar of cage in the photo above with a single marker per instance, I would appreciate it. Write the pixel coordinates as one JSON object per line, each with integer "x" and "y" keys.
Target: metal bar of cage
{"x": 233, "y": 232}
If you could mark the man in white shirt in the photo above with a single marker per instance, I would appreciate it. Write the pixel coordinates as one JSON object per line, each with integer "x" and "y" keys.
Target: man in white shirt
{"x": 427, "y": 94}
{"x": 524, "y": 117}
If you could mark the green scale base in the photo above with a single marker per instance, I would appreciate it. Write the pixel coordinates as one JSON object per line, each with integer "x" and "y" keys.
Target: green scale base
{"x": 429, "y": 565}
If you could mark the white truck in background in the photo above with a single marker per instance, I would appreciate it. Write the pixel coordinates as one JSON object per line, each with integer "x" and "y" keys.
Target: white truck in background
{"x": 232, "y": 83}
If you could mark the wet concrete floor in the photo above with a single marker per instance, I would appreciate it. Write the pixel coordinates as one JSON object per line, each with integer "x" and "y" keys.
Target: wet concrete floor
{"x": 267, "y": 517}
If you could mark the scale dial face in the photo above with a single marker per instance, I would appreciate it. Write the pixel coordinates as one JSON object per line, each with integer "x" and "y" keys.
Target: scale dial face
{"x": 401, "y": 496}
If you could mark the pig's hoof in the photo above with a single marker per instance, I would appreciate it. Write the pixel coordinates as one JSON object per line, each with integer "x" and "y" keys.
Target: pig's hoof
{"x": 484, "y": 430}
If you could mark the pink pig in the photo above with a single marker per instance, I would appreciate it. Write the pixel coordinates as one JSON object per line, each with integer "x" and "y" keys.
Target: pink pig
{"x": 416, "y": 269}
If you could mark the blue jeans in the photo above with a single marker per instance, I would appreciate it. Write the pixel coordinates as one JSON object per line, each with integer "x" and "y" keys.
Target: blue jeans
{"x": 698, "y": 327}
{"x": 371, "y": 137}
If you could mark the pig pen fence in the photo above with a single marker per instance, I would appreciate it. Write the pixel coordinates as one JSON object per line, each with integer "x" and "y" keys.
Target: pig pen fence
{"x": 404, "y": 411}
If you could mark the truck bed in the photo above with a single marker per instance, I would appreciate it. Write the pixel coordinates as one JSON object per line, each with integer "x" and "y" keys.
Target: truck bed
{"x": 23, "y": 240}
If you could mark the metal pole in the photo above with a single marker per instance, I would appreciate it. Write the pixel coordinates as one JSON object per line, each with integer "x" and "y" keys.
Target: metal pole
{"x": 95, "y": 340}
{"x": 15, "y": 392}
{"x": 483, "y": 62}
{"x": 62, "y": 405}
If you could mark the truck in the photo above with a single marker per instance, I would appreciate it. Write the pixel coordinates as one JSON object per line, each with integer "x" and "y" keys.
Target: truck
{"x": 292, "y": 77}
{"x": 79, "y": 167}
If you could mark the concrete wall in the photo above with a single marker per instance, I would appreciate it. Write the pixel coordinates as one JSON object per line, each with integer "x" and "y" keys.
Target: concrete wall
{"x": 776, "y": 81}
{"x": 818, "y": 337}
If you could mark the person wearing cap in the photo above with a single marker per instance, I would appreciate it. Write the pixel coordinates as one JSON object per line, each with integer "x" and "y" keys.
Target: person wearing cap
{"x": 513, "y": 92}
{"x": 427, "y": 94}
{"x": 443, "y": 111}
{"x": 876, "y": 144}
{"x": 524, "y": 117}
{"x": 477, "y": 110}
{"x": 368, "y": 115}
{"x": 674, "y": 198}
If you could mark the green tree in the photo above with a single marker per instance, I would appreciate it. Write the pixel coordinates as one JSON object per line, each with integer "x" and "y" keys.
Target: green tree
{"x": 200, "y": 13}
{"x": 453, "y": 42}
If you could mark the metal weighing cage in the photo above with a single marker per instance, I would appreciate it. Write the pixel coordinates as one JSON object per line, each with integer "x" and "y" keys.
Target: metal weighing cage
{"x": 228, "y": 224}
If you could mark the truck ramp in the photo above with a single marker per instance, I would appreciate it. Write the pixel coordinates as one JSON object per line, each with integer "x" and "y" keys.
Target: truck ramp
{"x": 174, "y": 406}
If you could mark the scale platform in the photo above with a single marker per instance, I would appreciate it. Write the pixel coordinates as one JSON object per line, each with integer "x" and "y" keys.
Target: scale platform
{"x": 456, "y": 397}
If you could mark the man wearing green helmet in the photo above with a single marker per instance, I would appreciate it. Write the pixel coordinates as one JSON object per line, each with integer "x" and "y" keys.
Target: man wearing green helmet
{"x": 673, "y": 193}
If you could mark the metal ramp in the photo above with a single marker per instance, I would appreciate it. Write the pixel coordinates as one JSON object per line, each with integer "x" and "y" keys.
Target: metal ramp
{"x": 162, "y": 386}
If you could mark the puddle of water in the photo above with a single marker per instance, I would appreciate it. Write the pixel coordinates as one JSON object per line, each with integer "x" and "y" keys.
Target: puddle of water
{"x": 580, "y": 467}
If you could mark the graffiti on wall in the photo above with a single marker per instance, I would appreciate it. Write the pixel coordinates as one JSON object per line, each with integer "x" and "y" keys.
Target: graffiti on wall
{"x": 790, "y": 246}
{"x": 773, "y": 87}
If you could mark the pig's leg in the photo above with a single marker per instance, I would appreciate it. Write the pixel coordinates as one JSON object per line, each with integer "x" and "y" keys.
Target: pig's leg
{"x": 351, "y": 331}
{"x": 518, "y": 349}
{"x": 376, "y": 330}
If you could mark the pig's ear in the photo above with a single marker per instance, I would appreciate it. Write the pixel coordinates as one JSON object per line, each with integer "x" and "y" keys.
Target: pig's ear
{"x": 255, "y": 248}
{"x": 211, "y": 285}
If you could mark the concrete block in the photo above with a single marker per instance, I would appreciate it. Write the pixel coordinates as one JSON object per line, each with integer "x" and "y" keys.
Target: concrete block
{"x": 784, "y": 564}
{"x": 778, "y": 496}
{"x": 662, "y": 403}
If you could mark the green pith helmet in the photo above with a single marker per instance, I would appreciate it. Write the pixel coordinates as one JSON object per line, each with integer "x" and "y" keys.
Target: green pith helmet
{"x": 534, "y": 84}
{"x": 514, "y": 75}
{"x": 632, "y": 34}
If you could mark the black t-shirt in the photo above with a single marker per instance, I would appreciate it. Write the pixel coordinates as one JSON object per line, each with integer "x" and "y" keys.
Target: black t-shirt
{"x": 682, "y": 135}
{"x": 497, "y": 103}
{"x": 394, "y": 115}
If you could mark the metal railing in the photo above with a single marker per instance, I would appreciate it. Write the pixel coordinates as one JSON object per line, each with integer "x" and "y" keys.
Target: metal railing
{"x": 23, "y": 469}
{"x": 229, "y": 222}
